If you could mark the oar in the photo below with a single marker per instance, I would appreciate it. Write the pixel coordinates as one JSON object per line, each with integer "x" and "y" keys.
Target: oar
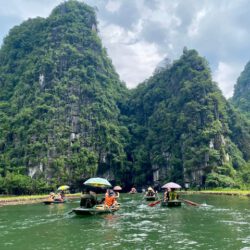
{"x": 191, "y": 203}
{"x": 152, "y": 204}
{"x": 70, "y": 212}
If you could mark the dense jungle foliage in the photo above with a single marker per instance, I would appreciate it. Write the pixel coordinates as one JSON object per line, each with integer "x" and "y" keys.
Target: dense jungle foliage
{"x": 66, "y": 116}
{"x": 184, "y": 129}
{"x": 241, "y": 97}
{"x": 59, "y": 100}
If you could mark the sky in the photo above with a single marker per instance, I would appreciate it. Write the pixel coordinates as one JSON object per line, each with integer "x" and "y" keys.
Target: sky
{"x": 139, "y": 34}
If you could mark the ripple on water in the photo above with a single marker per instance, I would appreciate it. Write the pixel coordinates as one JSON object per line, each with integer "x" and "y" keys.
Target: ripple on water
{"x": 245, "y": 240}
{"x": 135, "y": 226}
{"x": 231, "y": 222}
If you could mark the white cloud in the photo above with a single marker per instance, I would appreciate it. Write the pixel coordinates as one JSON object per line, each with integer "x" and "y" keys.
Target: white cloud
{"x": 134, "y": 60}
{"x": 226, "y": 75}
{"x": 139, "y": 33}
{"x": 113, "y": 6}
{"x": 194, "y": 27}
{"x": 13, "y": 12}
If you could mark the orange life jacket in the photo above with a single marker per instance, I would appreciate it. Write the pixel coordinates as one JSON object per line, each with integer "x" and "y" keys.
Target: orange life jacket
{"x": 109, "y": 200}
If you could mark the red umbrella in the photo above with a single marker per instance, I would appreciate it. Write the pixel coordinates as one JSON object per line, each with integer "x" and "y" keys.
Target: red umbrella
{"x": 171, "y": 185}
{"x": 117, "y": 188}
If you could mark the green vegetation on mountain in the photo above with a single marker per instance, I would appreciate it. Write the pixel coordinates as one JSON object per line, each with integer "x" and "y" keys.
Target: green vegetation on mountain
{"x": 241, "y": 97}
{"x": 59, "y": 99}
{"x": 184, "y": 130}
{"x": 66, "y": 116}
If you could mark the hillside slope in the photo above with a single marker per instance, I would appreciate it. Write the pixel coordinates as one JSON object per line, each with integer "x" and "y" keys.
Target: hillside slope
{"x": 184, "y": 129}
{"x": 59, "y": 99}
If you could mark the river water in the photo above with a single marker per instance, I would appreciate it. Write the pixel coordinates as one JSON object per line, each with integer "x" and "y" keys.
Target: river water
{"x": 222, "y": 222}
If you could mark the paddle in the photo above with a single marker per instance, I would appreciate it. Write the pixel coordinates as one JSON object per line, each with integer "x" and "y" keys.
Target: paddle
{"x": 70, "y": 212}
{"x": 152, "y": 204}
{"x": 191, "y": 203}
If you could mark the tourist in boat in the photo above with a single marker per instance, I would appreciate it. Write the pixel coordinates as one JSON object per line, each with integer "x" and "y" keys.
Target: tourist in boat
{"x": 133, "y": 190}
{"x": 51, "y": 196}
{"x": 102, "y": 201}
{"x": 166, "y": 195}
{"x": 59, "y": 197}
{"x": 107, "y": 192}
{"x": 150, "y": 192}
{"x": 62, "y": 195}
{"x": 173, "y": 195}
{"x": 117, "y": 194}
{"x": 88, "y": 199}
{"x": 110, "y": 200}
{"x": 116, "y": 190}
{"x": 93, "y": 194}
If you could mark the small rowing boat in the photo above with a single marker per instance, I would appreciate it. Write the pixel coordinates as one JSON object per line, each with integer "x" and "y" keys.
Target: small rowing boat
{"x": 99, "y": 209}
{"x": 150, "y": 198}
{"x": 53, "y": 202}
{"x": 171, "y": 203}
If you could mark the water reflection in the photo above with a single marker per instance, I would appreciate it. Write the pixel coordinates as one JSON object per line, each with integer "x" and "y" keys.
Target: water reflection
{"x": 56, "y": 209}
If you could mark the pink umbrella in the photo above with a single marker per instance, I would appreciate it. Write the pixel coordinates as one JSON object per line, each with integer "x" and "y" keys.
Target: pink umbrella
{"x": 171, "y": 185}
{"x": 117, "y": 188}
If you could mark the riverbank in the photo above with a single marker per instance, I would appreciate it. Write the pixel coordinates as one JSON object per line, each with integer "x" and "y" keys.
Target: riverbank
{"x": 221, "y": 192}
{"x": 21, "y": 200}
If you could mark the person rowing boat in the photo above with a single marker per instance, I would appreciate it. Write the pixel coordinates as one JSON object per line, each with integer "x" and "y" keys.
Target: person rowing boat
{"x": 88, "y": 199}
{"x": 150, "y": 195}
{"x": 133, "y": 190}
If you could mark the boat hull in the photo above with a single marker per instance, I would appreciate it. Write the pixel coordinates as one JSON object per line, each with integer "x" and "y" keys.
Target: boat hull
{"x": 150, "y": 198}
{"x": 93, "y": 211}
{"x": 53, "y": 202}
{"x": 174, "y": 203}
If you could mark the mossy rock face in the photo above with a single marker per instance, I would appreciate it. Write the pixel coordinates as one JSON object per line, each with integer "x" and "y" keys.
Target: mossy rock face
{"x": 185, "y": 128}
{"x": 59, "y": 115}
{"x": 241, "y": 95}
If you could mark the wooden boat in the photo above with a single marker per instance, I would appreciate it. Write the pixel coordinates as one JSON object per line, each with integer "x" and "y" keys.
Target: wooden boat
{"x": 53, "y": 202}
{"x": 150, "y": 198}
{"x": 171, "y": 203}
{"x": 99, "y": 209}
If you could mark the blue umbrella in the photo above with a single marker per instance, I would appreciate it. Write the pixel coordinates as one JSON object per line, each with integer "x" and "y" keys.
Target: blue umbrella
{"x": 97, "y": 182}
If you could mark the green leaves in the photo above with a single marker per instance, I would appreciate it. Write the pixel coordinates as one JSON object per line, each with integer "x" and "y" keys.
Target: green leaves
{"x": 59, "y": 99}
{"x": 187, "y": 125}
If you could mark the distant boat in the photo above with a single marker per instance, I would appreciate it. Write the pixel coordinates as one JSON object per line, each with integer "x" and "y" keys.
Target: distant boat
{"x": 133, "y": 191}
{"x": 150, "y": 195}
{"x": 54, "y": 202}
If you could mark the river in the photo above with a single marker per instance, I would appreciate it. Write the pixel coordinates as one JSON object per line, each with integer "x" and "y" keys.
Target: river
{"x": 222, "y": 222}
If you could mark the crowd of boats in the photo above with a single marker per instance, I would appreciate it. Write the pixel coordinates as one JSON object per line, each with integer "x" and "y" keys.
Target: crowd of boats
{"x": 90, "y": 204}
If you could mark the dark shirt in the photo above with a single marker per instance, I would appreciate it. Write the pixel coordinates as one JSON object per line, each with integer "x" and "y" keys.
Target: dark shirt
{"x": 150, "y": 193}
{"x": 88, "y": 201}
